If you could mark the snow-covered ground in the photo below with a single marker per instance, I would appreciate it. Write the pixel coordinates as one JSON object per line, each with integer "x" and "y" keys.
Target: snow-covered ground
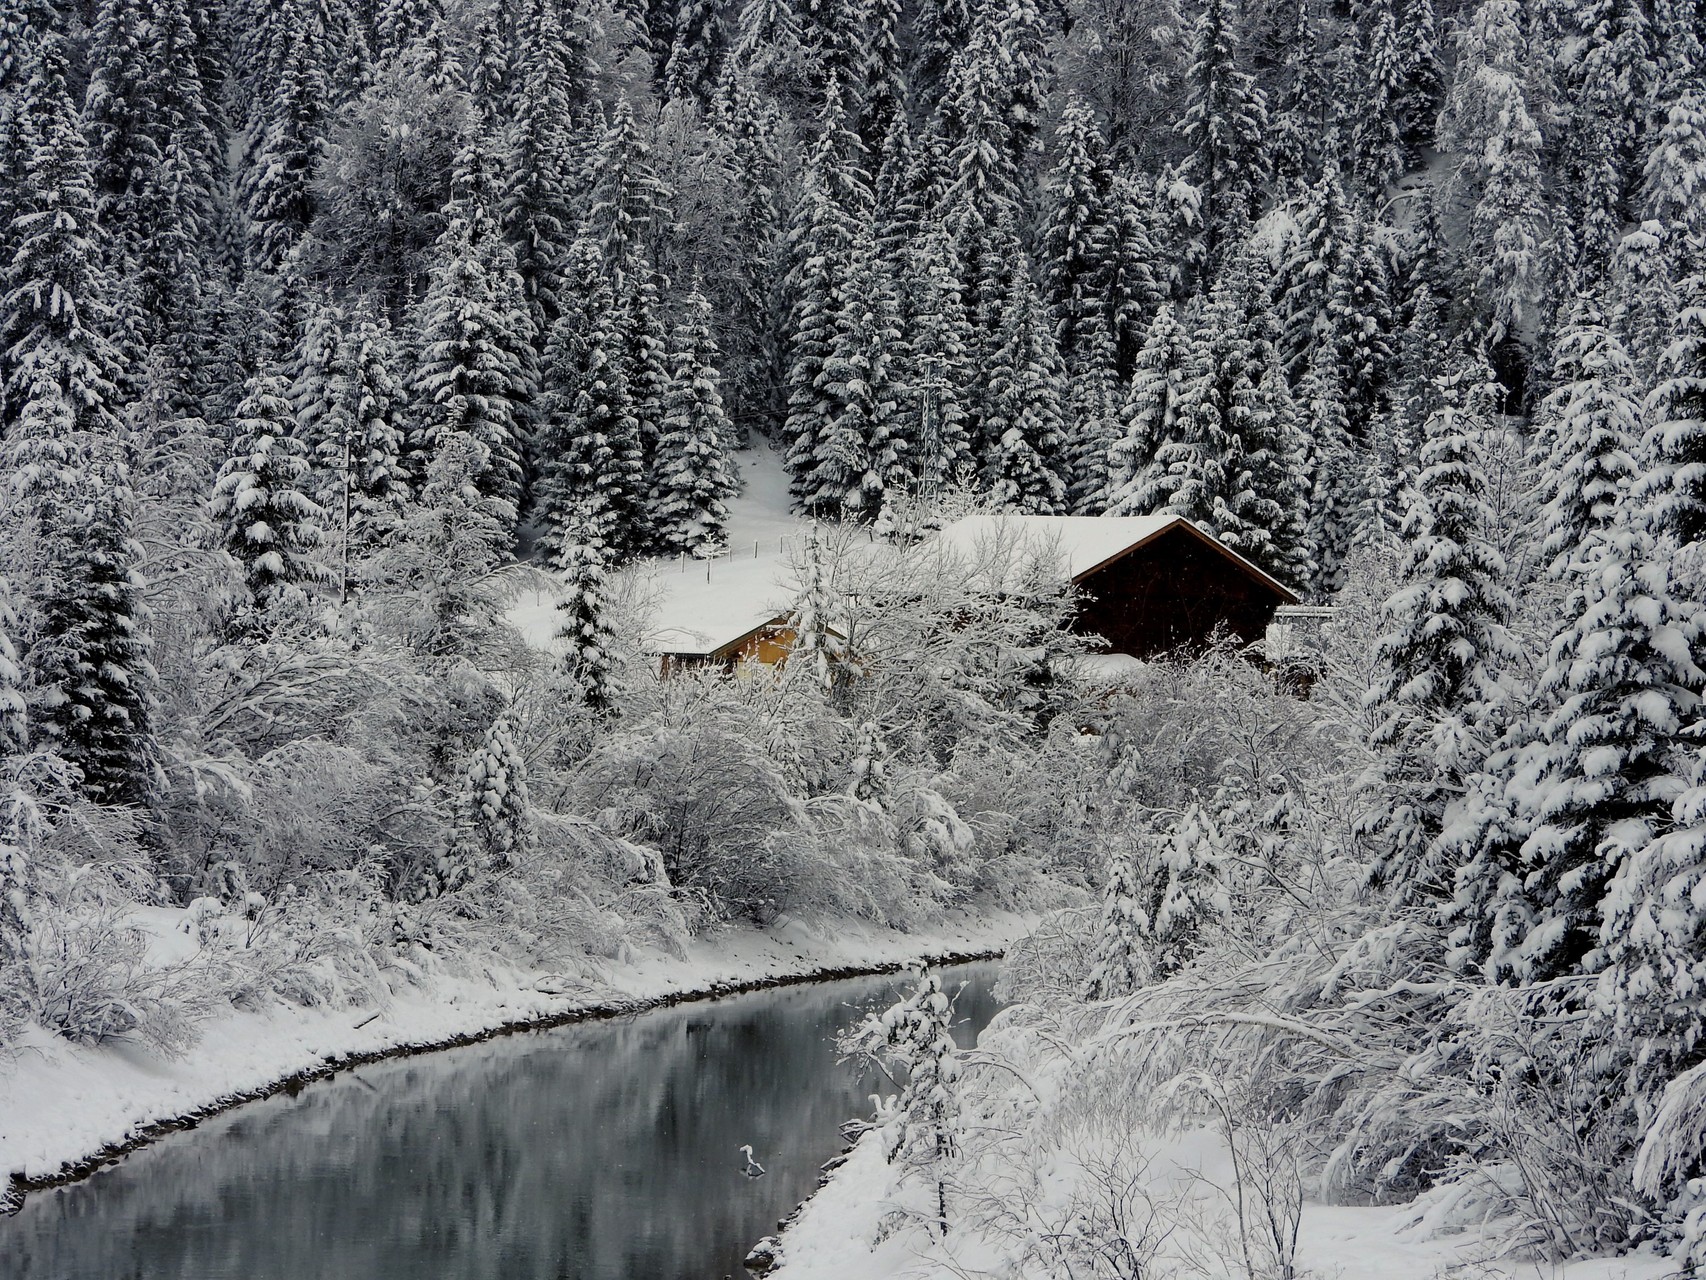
{"x": 831, "y": 1237}
{"x": 61, "y": 1104}
{"x": 698, "y": 605}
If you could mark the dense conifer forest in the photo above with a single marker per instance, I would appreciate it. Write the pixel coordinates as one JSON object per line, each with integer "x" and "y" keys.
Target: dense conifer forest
{"x": 333, "y": 330}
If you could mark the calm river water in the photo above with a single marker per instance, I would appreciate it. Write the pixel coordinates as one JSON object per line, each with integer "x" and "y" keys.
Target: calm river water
{"x": 601, "y": 1151}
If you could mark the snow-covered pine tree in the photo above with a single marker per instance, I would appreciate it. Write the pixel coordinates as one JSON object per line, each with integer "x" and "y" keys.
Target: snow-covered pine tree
{"x": 591, "y": 468}
{"x": 1025, "y": 421}
{"x": 1361, "y": 314}
{"x": 1318, "y": 260}
{"x": 1227, "y": 470}
{"x": 869, "y": 783}
{"x": 1435, "y": 691}
{"x": 1278, "y": 451}
{"x": 1149, "y": 418}
{"x": 93, "y": 700}
{"x": 833, "y": 199}
{"x": 983, "y": 179}
{"x": 1599, "y": 785}
{"x": 494, "y": 817}
{"x": 1423, "y": 91}
{"x": 279, "y": 193}
{"x": 813, "y": 652}
{"x": 539, "y": 202}
{"x": 1487, "y": 120}
{"x": 1224, "y": 127}
{"x": 934, "y": 369}
{"x": 1307, "y": 106}
{"x": 864, "y": 452}
{"x": 1643, "y": 294}
{"x": 1332, "y": 471}
{"x": 1608, "y": 70}
{"x": 1023, "y": 32}
{"x": 1196, "y": 473}
{"x": 1076, "y": 249}
{"x": 377, "y": 484}
{"x": 645, "y": 363}
{"x": 1673, "y": 191}
{"x": 1095, "y": 405}
{"x": 1334, "y": 302}
{"x": 1591, "y": 428}
{"x": 317, "y": 390}
{"x": 584, "y": 629}
{"x": 750, "y": 336}
{"x": 1377, "y": 151}
{"x": 270, "y": 525}
{"x": 1673, "y": 483}
{"x": 55, "y": 311}
{"x": 630, "y": 205}
{"x": 475, "y": 372}
{"x": 921, "y": 1126}
{"x": 1138, "y": 271}
{"x": 695, "y": 475}
{"x": 181, "y": 197}
{"x": 1653, "y": 939}
{"x": 1186, "y": 889}
{"x": 882, "y": 96}
{"x": 1121, "y": 963}
{"x": 942, "y": 30}
{"x": 119, "y": 122}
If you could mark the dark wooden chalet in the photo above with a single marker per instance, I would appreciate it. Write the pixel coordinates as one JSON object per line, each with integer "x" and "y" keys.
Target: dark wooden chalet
{"x": 1149, "y": 584}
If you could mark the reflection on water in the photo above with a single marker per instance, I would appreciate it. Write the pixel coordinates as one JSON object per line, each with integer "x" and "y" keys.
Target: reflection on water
{"x": 605, "y": 1151}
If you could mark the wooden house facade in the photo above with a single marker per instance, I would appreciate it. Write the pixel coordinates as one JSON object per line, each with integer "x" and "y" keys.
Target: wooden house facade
{"x": 1148, "y": 585}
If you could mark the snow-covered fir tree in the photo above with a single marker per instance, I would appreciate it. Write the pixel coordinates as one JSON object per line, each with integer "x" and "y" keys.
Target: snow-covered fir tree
{"x": 94, "y": 690}
{"x": 1185, "y": 890}
{"x": 474, "y": 374}
{"x": 271, "y": 525}
{"x": 1121, "y": 963}
{"x": 588, "y": 455}
{"x": 863, "y": 452}
{"x": 59, "y": 368}
{"x": 812, "y": 621}
{"x": 584, "y": 628}
{"x": 1149, "y": 418}
{"x": 695, "y": 475}
{"x": 1593, "y": 422}
{"x": 1436, "y": 688}
{"x": 1025, "y": 421}
{"x": 1673, "y": 485}
{"x": 1223, "y": 128}
{"x": 494, "y": 818}
{"x": 921, "y": 1125}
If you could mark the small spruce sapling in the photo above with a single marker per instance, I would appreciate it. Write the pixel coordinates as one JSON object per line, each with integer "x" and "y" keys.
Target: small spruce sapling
{"x": 910, "y": 1041}
{"x": 494, "y": 817}
{"x": 583, "y": 625}
{"x": 1121, "y": 965}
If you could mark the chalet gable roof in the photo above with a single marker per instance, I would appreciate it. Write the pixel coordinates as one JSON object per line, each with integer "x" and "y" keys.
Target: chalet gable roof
{"x": 1084, "y": 545}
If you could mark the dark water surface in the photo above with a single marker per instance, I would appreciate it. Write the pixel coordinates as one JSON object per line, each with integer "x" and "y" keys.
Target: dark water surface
{"x": 602, "y": 1151}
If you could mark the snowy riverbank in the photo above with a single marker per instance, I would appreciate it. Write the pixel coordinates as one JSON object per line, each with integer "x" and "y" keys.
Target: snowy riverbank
{"x": 830, "y": 1238}
{"x": 65, "y": 1109}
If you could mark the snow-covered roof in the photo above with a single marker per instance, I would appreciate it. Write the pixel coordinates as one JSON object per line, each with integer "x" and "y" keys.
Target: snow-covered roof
{"x": 704, "y": 606}
{"x": 1081, "y": 544}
